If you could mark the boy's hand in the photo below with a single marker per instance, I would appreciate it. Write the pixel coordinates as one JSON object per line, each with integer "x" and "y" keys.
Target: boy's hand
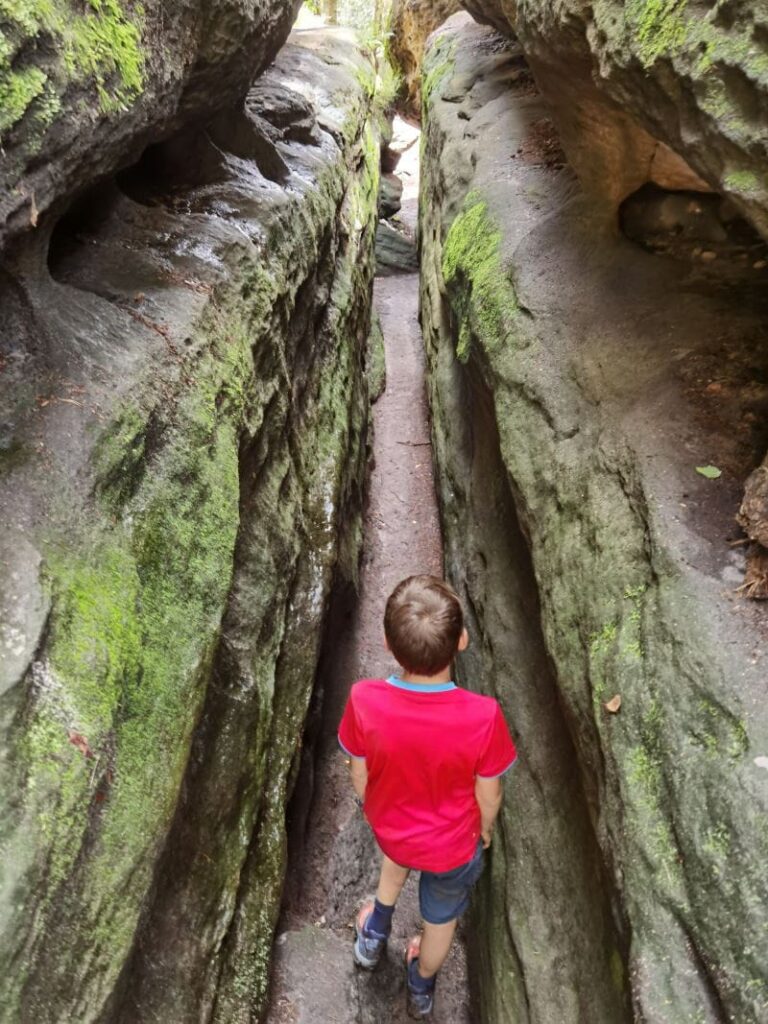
{"x": 488, "y": 796}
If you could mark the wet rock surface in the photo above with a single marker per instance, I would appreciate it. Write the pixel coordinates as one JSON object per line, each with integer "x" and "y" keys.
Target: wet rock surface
{"x": 577, "y": 381}
{"x": 185, "y": 408}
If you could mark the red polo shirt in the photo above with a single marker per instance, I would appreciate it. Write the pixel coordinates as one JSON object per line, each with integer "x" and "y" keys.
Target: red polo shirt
{"x": 424, "y": 745}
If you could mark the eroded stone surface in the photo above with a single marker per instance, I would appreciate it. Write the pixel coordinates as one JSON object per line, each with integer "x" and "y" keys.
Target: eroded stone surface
{"x": 85, "y": 87}
{"x": 576, "y": 383}
{"x": 186, "y": 408}
{"x": 664, "y": 92}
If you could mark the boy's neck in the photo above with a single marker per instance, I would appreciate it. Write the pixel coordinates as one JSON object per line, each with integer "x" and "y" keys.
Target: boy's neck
{"x": 444, "y": 676}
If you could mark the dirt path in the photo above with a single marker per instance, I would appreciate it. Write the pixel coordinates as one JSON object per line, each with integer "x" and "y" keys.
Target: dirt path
{"x": 315, "y": 981}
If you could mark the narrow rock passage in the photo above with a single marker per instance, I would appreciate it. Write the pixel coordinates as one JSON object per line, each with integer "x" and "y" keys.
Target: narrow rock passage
{"x": 315, "y": 981}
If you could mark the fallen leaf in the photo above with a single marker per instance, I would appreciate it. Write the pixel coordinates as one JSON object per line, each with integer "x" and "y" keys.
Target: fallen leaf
{"x": 613, "y": 704}
{"x": 710, "y": 472}
{"x": 78, "y": 740}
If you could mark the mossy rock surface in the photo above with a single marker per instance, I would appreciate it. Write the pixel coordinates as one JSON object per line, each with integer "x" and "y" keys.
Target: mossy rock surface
{"x": 190, "y": 384}
{"x": 85, "y": 86}
{"x": 570, "y": 377}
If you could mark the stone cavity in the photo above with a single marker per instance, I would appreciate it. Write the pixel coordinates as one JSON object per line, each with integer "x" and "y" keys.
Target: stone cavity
{"x": 652, "y": 90}
{"x": 185, "y": 417}
{"x": 576, "y": 381}
{"x": 85, "y": 87}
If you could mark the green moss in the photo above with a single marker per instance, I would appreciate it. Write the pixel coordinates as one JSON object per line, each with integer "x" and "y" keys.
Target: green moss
{"x": 717, "y": 841}
{"x": 658, "y": 27}
{"x": 743, "y": 182}
{"x": 17, "y": 91}
{"x": 106, "y": 46}
{"x": 438, "y": 65}
{"x": 101, "y": 44}
{"x": 482, "y": 295}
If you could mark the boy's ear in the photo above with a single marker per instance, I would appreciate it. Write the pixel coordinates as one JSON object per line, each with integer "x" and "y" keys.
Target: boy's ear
{"x": 463, "y": 640}
{"x": 386, "y": 644}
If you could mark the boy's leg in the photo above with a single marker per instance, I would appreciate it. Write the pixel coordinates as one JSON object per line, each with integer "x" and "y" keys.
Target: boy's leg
{"x": 374, "y": 919}
{"x": 391, "y": 881}
{"x": 436, "y": 940}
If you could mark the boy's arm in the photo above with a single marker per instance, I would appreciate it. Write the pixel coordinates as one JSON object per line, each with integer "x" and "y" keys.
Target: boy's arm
{"x": 358, "y": 771}
{"x": 488, "y": 795}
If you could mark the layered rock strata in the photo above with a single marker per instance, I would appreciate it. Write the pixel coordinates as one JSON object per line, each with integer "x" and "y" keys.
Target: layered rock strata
{"x": 576, "y": 382}
{"x": 85, "y": 87}
{"x": 185, "y": 414}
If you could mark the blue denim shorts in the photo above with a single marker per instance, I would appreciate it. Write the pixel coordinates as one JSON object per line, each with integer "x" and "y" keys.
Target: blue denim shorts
{"x": 445, "y": 896}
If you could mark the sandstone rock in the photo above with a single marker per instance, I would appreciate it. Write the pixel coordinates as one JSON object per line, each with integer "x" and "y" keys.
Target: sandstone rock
{"x": 668, "y": 93}
{"x": 396, "y": 251}
{"x": 413, "y": 21}
{"x": 390, "y": 191}
{"x": 85, "y": 87}
{"x": 187, "y": 410}
{"x": 569, "y": 380}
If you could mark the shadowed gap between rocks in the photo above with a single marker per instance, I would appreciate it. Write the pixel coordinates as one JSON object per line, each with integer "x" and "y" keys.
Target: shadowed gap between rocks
{"x": 546, "y": 791}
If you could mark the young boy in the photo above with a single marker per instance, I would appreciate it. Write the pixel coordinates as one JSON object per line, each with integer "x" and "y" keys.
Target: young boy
{"x": 426, "y": 758}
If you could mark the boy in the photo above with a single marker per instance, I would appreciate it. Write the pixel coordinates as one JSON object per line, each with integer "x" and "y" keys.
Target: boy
{"x": 426, "y": 758}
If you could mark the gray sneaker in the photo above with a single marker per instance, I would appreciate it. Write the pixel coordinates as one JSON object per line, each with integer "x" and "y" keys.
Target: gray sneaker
{"x": 420, "y": 1003}
{"x": 369, "y": 945}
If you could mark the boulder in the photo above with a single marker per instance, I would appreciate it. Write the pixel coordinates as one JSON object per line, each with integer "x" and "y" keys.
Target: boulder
{"x": 85, "y": 87}
{"x": 185, "y": 409}
{"x": 662, "y": 92}
{"x": 595, "y": 408}
{"x": 390, "y": 192}
{"x": 396, "y": 251}
{"x": 412, "y": 22}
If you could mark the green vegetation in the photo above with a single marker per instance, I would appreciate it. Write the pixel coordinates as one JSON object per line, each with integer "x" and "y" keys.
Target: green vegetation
{"x": 743, "y": 182}
{"x": 101, "y": 44}
{"x": 442, "y": 57}
{"x": 658, "y": 26}
{"x": 481, "y": 293}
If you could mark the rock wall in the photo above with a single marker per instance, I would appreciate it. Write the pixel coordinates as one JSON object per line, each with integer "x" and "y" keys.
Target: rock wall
{"x": 412, "y": 22}
{"x": 184, "y": 416}
{"x": 671, "y": 92}
{"x": 576, "y": 382}
{"x": 85, "y": 87}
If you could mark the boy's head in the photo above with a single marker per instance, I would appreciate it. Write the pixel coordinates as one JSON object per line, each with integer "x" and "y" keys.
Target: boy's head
{"x": 424, "y": 624}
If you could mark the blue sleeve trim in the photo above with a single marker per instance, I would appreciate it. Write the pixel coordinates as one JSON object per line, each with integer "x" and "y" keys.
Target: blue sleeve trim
{"x": 357, "y": 757}
{"x": 499, "y": 774}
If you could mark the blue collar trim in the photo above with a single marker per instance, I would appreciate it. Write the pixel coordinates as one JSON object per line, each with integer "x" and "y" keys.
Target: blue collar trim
{"x": 421, "y": 687}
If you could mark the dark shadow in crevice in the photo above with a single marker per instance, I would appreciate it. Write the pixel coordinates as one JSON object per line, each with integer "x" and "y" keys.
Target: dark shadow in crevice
{"x": 553, "y": 873}
{"x": 84, "y": 218}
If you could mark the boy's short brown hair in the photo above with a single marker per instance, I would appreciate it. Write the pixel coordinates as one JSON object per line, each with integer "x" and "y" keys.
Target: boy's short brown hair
{"x": 423, "y": 623}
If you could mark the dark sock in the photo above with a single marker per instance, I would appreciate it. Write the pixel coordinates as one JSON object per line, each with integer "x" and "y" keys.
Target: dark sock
{"x": 380, "y": 920}
{"x": 415, "y": 980}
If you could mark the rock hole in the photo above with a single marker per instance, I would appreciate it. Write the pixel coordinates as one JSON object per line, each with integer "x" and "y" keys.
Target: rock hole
{"x": 699, "y": 227}
{"x": 75, "y": 230}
